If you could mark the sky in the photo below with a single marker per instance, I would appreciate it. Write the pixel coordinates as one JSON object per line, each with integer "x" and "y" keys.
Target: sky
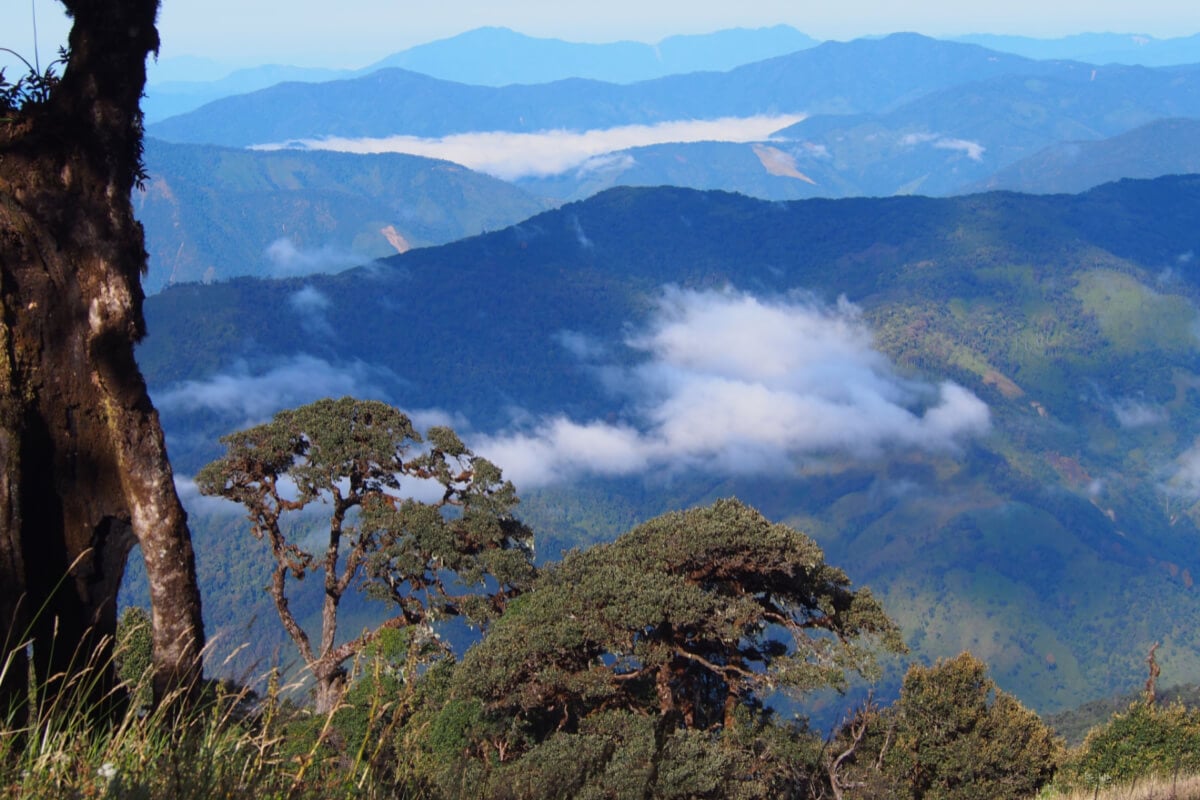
{"x": 354, "y": 33}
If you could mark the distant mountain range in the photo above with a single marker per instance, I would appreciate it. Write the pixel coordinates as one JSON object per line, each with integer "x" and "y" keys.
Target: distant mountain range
{"x": 900, "y": 115}
{"x": 864, "y": 76}
{"x": 1057, "y": 545}
{"x": 499, "y": 57}
{"x": 771, "y": 170}
{"x": 1098, "y": 48}
{"x": 946, "y": 142}
{"x": 1162, "y": 147}
{"x": 211, "y": 213}
{"x": 168, "y": 98}
{"x": 958, "y": 136}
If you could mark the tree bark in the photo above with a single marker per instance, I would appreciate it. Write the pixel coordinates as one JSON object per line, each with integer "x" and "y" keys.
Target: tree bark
{"x": 85, "y": 473}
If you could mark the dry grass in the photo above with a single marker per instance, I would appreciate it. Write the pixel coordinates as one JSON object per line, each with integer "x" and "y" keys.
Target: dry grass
{"x": 1185, "y": 787}
{"x": 230, "y": 744}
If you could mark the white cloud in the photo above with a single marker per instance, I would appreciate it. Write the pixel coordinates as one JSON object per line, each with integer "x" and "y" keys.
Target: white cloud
{"x": 738, "y": 385}
{"x": 1136, "y": 414}
{"x": 311, "y": 304}
{"x": 197, "y": 503}
{"x": 580, "y": 236}
{"x": 252, "y": 399}
{"x": 1185, "y": 479}
{"x": 612, "y": 163}
{"x": 580, "y": 345}
{"x": 972, "y": 150}
{"x": 813, "y": 150}
{"x": 510, "y": 156}
{"x": 288, "y": 260}
{"x": 308, "y": 299}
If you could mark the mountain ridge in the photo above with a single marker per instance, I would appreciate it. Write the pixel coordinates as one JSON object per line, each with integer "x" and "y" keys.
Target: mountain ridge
{"x": 817, "y": 80}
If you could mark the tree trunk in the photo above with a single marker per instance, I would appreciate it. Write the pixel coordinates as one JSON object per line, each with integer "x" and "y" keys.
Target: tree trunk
{"x": 84, "y": 468}
{"x": 330, "y": 686}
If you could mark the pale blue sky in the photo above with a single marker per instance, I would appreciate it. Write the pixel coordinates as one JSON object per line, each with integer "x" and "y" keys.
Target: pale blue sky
{"x": 351, "y": 33}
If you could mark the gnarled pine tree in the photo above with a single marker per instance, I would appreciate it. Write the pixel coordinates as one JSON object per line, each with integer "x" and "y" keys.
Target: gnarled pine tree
{"x": 83, "y": 467}
{"x": 648, "y": 664}
{"x": 459, "y": 554}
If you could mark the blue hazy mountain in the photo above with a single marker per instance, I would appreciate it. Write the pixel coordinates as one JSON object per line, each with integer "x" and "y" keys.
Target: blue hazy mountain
{"x": 1098, "y": 48}
{"x": 771, "y": 170}
{"x": 863, "y": 76}
{"x": 490, "y": 57}
{"x": 963, "y": 134}
{"x": 945, "y": 142}
{"x": 500, "y": 56}
{"x": 1163, "y": 147}
{"x": 212, "y": 213}
{"x": 168, "y": 98}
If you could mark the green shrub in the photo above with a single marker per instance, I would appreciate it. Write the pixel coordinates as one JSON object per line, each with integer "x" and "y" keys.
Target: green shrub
{"x": 952, "y": 735}
{"x": 1141, "y": 742}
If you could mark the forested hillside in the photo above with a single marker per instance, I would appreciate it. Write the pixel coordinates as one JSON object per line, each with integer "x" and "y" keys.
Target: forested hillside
{"x": 1052, "y": 537}
{"x": 211, "y": 213}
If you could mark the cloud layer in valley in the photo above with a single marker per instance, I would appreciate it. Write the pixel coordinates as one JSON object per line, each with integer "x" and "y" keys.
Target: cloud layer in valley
{"x": 250, "y": 398}
{"x": 726, "y": 383}
{"x": 287, "y": 260}
{"x": 739, "y": 385}
{"x": 517, "y": 155}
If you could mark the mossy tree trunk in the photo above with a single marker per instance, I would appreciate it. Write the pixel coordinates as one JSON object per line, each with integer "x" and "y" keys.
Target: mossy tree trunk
{"x": 83, "y": 467}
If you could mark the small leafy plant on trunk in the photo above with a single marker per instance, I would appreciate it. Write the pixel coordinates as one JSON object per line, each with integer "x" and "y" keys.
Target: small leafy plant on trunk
{"x": 461, "y": 553}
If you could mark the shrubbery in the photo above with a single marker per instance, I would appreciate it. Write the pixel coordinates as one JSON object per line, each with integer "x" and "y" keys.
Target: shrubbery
{"x": 1144, "y": 741}
{"x": 952, "y": 735}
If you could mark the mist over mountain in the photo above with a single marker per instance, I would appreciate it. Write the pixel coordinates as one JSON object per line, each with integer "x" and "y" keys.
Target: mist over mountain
{"x": 877, "y": 124}
{"x": 983, "y": 406}
{"x": 946, "y": 142}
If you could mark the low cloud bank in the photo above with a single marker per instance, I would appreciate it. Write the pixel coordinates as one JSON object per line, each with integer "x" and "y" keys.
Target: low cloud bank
{"x": 730, "y": 384}
{"x": 510, "y": 156}
{"x": 1132, "y": 413}
{"x": 738, "y": 385}
{"x": 255, "y": 398}
{"x": 1185, "y": 477}
{"x": 972, "y": 150}
{"x": 289, "y": 261}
